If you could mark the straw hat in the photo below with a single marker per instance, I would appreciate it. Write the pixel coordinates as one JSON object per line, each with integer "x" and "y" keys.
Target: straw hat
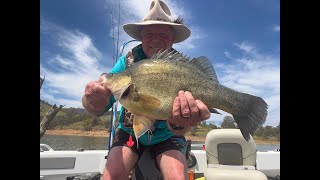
{"x": 159, "y": 13}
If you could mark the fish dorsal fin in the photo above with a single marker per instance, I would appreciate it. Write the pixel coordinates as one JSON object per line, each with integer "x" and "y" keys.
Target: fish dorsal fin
{"x": 205, "y": 66}
{"x": 172, "y": 55}
{"x": 202, "y": 62}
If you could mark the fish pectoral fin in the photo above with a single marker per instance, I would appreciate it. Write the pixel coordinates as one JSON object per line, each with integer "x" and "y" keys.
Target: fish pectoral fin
{"x": 118, "y": 94}
{"x": 141, "y": 125}
{"x": 214, "y": 111}
{"x": 150, "y": 103}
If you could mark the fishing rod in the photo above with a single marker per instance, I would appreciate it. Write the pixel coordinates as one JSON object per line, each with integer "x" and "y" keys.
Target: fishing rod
{"x": 114, "y": 111}
{"x": 124, "y": 44}
{"x": 115, "y": 59}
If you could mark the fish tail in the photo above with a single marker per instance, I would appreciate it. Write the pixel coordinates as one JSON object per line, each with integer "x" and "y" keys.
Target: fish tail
{"x": 250, "y": 114}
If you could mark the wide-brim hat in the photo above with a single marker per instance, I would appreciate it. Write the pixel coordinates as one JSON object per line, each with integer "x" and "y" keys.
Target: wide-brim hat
{"x": 159, "y": 13}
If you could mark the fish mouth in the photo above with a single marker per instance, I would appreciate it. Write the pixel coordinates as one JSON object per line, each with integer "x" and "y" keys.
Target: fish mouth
{"x": 122, "y": 93}
{"x": 125, "y": 93}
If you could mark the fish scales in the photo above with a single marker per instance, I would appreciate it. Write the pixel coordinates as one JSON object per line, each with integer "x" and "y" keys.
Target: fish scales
{"x": 168, "y": 78}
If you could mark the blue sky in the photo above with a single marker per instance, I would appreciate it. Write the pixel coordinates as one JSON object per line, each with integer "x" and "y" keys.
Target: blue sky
{"x": 240, "y": 37}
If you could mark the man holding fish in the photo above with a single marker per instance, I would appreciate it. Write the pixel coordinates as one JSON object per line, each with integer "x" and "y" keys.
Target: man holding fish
{"x": 157, "y": 31}
{"x": 153, "y": 83}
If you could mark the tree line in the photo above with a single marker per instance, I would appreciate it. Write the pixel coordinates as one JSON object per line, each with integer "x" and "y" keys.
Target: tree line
{"x": 266, "y": 132}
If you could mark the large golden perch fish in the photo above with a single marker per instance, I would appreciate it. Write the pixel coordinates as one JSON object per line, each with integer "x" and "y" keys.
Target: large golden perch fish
{"x": 148, "y": 88}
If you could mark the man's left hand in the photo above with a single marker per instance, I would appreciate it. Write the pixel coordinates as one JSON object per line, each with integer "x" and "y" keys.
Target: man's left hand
{"x": 187, "y": 111}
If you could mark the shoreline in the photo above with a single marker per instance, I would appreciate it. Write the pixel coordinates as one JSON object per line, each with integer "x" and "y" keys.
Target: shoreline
{"x": 104, "y": 133}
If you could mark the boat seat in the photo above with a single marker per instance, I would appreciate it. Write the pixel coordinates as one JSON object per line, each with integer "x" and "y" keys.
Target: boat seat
{"x": 230, "y": 156}
{"x": 146, "y": 168}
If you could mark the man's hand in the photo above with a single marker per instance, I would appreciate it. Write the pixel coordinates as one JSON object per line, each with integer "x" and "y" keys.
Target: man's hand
{"x": 187, "y": 111}
{"x": 96, "y": 97}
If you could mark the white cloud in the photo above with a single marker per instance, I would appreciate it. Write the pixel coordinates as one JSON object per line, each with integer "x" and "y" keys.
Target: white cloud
{"x": 68, "y": 71}
{"x": 254, "y": 73}
{"x": 228, "y": 55}
{"x": 245, "y": 46}
{"x": 276, "y": 28}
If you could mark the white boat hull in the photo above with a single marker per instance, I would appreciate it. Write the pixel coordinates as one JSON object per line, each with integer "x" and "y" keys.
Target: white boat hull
{"x": 89, "y": 161}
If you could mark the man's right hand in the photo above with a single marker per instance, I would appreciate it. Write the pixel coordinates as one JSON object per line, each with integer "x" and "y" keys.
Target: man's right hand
{"x": 96, "y": 97}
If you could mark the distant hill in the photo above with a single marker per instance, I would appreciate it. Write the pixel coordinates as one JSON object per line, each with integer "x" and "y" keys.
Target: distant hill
{"x": 74, "y": 118}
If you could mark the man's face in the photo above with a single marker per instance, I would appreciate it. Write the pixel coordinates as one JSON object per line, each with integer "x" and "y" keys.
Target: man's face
{"x": 156, "y": 37}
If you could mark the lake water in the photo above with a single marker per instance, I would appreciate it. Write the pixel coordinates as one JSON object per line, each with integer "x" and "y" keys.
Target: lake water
{"x": 61, "y": 142}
